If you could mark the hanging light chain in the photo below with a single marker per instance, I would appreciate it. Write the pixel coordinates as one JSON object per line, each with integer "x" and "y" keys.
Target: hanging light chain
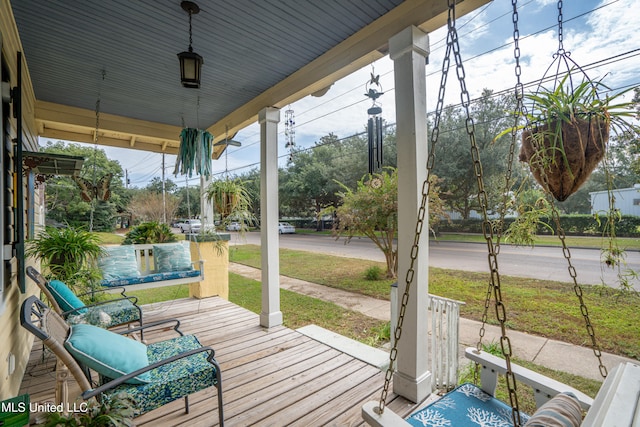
{"x": 190, "y": 34}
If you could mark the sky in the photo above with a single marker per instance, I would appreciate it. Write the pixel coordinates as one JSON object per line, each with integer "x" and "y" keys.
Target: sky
{"x": 601, "y": 36}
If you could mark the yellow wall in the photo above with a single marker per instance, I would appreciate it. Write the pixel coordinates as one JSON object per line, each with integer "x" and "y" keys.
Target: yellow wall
{"x": 15, "y": 340}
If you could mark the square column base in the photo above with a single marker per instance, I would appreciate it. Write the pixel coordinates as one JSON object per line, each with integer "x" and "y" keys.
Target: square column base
{"x": 269, "y": 320}
{"x": 414, "y": 389}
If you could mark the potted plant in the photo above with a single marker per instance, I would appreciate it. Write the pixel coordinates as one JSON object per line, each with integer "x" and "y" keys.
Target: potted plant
{"x": 230, "y": 199}
{"x": 111, "y": 411}
{"x": 568, "y": 133}
{"x": 69, "y": 254}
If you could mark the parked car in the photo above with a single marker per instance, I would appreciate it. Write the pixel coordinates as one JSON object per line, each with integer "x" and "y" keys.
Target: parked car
{"x": 190, "y": 226}
{"x": 286, "y": 228}
{"x": 234, "y": 226}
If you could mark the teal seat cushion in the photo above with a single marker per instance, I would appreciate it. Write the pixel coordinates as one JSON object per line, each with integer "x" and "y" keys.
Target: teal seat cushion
{"x": 64, "y": 296}
{"x": 107, "y": 353}
{"x": 118, "y": 262}
{"x": 150, "y": 278}
{"x": 108, "y": 314}
{"x": 465, "y": 406}
{"x": 172, "y": 381}
{"x": 172, "y": 257}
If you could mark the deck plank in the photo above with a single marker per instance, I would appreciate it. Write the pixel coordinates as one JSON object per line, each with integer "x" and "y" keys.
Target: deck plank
{"x": 271, "y": 376}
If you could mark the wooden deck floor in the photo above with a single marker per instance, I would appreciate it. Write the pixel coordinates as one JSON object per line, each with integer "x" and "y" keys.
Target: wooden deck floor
{"x": 270, "y": 377}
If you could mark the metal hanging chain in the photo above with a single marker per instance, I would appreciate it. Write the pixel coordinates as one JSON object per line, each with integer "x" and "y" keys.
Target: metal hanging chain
{"x": 561, "y": 50}
{"x": 487, "y": 230}
{"x": 393, "y": 354}
{"x": 561, "y": 233}
{"x": 95, "y": 149}
{"x": 498, "y": 227}
{"x": 572, "y": 270}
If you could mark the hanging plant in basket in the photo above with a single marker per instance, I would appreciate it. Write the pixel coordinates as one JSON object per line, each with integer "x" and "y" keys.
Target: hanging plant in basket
{"x": 229, "y": 197}
{"x": 567, "y": 133}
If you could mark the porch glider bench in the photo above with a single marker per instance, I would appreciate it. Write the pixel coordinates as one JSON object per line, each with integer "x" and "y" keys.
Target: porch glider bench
{"x": 616, "y": 404}
{"x": 149, "y": 265}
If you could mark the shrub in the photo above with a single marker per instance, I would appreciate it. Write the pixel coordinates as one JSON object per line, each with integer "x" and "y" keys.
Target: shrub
{"x": 373, "y": 273}
{"x": 149, "y": 232}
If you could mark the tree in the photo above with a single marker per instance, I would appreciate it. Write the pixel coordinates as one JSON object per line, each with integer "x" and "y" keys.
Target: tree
{"x": 372, "y": 210}
{"x": 454, "y": 163}
{"x": 309, "y": 184}
{"x": 189, "y": 202}
{"x": 149, "y": 206}
{"x": 155, "y": 185}
{"x": 63, "y": 200}
{"x": 309, "y": 181}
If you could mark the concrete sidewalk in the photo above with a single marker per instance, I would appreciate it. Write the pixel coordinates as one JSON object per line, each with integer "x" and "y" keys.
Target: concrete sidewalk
{"x": 552, "y": 354}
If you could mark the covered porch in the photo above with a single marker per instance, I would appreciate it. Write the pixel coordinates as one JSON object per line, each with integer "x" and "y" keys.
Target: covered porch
{"x": 274, "y": 376}
{"x": 123, "y": 54}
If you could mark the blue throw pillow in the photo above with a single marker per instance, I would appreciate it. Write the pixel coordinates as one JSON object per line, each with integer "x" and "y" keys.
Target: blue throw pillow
{"x": 119, "y": 262}
{"x": 65, "y": 297}
{"x": 172, "y": 257}
{"x": 108, "y": 353}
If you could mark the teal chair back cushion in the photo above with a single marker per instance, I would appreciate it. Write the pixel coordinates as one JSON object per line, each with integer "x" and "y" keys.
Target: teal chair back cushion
{"x": 107, "y": 353}
{"x": 65, "y": 297}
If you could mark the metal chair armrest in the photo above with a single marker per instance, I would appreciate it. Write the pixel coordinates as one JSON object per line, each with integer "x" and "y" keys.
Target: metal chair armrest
{"x": 120, "y": 380}
{"x": 151, "y": 325}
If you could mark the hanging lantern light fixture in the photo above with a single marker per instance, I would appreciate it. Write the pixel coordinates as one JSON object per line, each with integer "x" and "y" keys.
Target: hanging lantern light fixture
{"x": 190, "y": 62}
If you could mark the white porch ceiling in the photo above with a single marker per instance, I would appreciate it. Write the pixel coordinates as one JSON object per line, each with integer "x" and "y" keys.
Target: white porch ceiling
{"x": 256, "y": 54}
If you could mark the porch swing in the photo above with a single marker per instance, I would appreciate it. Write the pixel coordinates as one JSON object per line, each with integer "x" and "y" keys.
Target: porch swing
{"x": 469, "y": 404}
{"x": 154, "y": 265}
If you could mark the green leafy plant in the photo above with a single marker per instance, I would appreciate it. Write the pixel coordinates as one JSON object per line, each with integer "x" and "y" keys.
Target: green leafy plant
{"x": 111, "y": 411}
{"x": 532, "y": 209}
{"x": 373, "y": 273}
{"x": 232, "y": 201}
{"x": 567, "y": 131}
{"x": 149, "y": 232}
{"x": 68, "y": 254}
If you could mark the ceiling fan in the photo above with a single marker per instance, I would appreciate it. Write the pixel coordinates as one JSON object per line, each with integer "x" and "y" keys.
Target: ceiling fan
{"x": 228, "y": 142}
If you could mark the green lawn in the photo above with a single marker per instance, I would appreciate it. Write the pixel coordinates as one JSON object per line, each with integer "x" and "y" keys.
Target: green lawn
{"x": 298, "y": 310}
{"x": 539, "y": 307}
{"x": 625, "y": 243}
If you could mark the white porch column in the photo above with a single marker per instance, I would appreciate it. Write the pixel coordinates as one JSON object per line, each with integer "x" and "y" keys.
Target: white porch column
{"x": 409, "y": 49}
{"x": 270, "y": 245}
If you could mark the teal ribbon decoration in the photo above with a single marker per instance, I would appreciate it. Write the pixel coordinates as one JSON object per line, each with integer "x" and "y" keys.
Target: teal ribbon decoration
{"x": 194, "y": 154}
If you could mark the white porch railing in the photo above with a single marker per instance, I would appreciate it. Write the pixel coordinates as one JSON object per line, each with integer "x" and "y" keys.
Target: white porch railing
{"x": 443, "y": 328}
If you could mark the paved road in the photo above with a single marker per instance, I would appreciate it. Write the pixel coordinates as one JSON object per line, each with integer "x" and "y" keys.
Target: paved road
{"x": 539, "y": 262}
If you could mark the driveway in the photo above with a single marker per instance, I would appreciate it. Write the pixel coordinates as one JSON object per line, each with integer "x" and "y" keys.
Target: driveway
{"x": 541, "y": 262}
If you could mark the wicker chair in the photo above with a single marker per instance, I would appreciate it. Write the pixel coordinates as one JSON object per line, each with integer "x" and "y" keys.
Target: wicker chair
{"x": 106, "y": 314}
{"x": 176, "y": 367}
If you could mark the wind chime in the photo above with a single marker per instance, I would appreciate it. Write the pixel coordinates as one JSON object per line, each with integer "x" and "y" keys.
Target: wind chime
{"x": 290, "y": 132}
{"x": 95, "y": 190}
{"x": 374, "y": 125}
